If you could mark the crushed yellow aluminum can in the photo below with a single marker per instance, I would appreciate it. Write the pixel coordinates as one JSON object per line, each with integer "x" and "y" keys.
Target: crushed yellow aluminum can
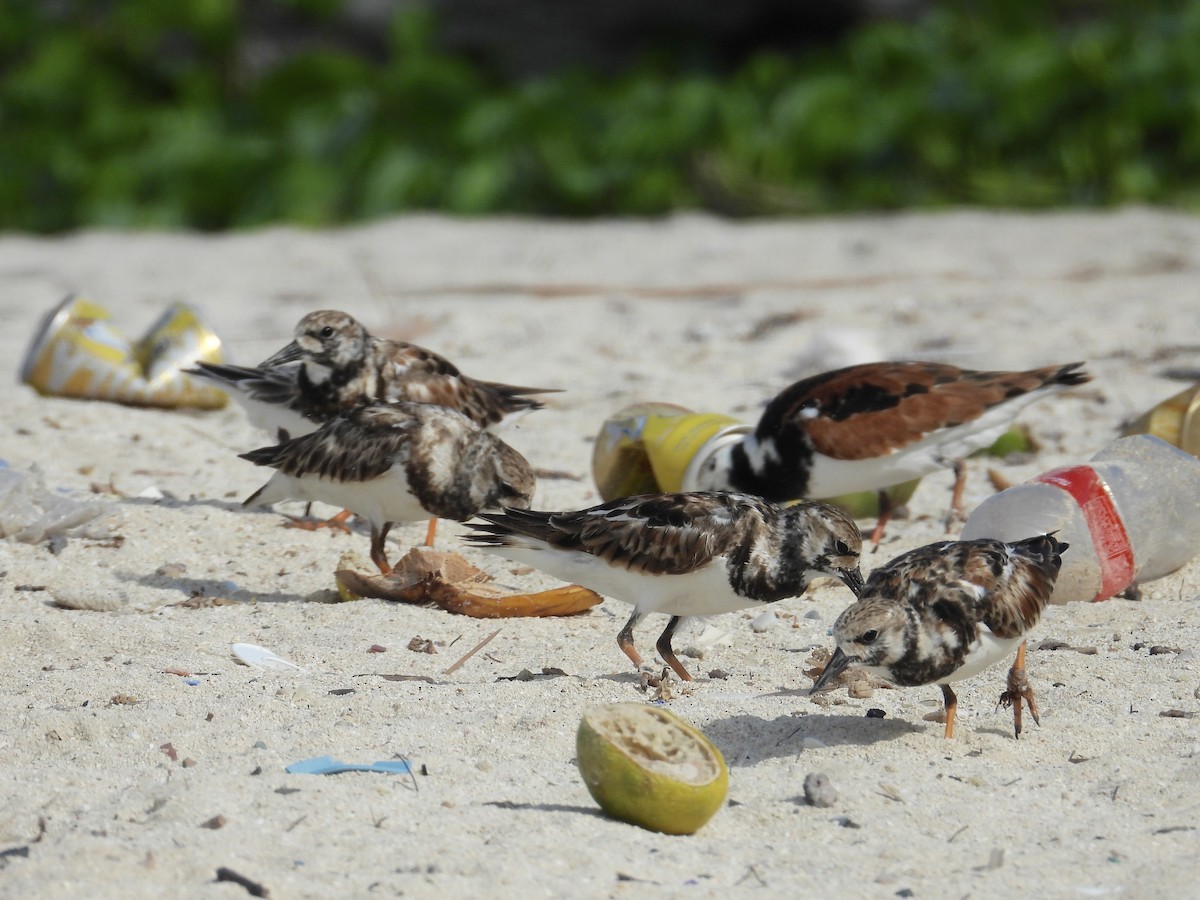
{"x": 76, "y": 352}
{"x": 647, "y": 447}
{"x": 1176, "y": 420}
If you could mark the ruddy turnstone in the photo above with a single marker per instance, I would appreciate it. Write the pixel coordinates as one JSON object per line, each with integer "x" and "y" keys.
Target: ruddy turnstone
{"x": 870, "y": 426}
{"x": 399, "y": 462}
{"x": 694, "y": 554}
{"x": 342, "y": 365}
{"x": 947, "y": 611}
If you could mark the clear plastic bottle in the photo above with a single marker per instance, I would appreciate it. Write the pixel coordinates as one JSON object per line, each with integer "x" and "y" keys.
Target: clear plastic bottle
{"x": 1131, "y": 514}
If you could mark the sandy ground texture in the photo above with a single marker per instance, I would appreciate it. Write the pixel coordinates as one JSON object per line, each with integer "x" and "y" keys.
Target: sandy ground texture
{"x": 1101, "y": 800}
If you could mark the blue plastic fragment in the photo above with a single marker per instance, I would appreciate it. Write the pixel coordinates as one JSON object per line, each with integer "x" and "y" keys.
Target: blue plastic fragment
{"x": 327, "y": 765}
{"x": 192, "y": 681}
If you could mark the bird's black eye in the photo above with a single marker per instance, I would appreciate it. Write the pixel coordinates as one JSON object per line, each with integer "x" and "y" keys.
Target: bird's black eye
{"x": 868, "y": 637}
{"x": 842, "y": 548}
{"x": 327, "y": 331}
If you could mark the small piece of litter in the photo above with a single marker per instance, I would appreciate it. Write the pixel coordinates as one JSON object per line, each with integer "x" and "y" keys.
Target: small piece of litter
{"x": 253, "y": 888}
{"x": 261, "y": 658}
{"x": 327, "y": 765}
{"x": 31, "y": 512}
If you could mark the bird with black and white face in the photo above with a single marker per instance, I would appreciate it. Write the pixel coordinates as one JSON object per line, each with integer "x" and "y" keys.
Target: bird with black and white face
{"x": 947, "y": 611}
{"x": 339, "y": 365}
{"x": 689, "y": 554}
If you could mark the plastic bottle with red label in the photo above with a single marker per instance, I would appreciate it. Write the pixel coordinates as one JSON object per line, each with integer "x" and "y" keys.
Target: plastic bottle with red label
{"x": 1130, "y": 515}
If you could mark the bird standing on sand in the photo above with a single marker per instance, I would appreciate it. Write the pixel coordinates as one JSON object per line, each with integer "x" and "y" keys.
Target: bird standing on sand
{"x": 692, "y": 554}
{"x": 334, "y": 364}
{"x": 393, "y": 463}
{"x": 870, "y": 426}
{"x": 947, "y": 611}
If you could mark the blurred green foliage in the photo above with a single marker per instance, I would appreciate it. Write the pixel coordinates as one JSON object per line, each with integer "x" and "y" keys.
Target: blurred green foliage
{"x": 141, "y": 113}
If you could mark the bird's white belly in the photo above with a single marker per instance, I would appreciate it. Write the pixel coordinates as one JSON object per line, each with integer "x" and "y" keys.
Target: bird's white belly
{"x": 382, "y": 499}
{"x": 830, "y": 477}
{"x": 984, "y": 653}
{"x": 704, "y": 592}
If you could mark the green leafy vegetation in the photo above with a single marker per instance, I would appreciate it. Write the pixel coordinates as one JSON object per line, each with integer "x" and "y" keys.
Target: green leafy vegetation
{"x": 146, "y": 115}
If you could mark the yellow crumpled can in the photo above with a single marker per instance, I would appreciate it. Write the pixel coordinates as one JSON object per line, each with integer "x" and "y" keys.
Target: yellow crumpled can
{"x": 76, "y": 352}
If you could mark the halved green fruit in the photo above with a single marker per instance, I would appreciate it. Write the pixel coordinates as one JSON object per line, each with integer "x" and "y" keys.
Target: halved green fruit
{"x": 645, "y": 765}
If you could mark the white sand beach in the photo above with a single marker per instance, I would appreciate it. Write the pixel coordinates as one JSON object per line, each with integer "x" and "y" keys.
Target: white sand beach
{"x": 1103, "y": 799}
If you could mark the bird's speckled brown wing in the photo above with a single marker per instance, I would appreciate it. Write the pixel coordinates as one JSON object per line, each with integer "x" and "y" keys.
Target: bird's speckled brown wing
{"x": 658, "y": 534}
{"x": 1004, "y": 586}
{"x": 356, "y": 446}
{"x": 1018, "y": 600}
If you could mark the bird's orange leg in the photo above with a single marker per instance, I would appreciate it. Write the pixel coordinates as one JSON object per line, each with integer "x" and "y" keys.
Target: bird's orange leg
{"x": 378, "y": 556}
{"x": 951, "y": 709}
{"x": 667, "y": 653}
{"x": 1018, "y": 690}
{"x": 625, "y": 640}
{"x": 430, "y": 532}
{"x": 885, "y": 513}
{"x": 955, "y": 515}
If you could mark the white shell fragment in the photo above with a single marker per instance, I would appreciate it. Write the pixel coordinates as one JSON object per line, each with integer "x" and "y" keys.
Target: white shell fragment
{"x": 764, "y": 621}
{"x": 261, "y": 658}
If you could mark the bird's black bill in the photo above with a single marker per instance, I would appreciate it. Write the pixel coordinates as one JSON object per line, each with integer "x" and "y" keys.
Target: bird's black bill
{"x": 838, "y": 663}
{"x": 289, "y": 354}
{"x": 853, "y": 579}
